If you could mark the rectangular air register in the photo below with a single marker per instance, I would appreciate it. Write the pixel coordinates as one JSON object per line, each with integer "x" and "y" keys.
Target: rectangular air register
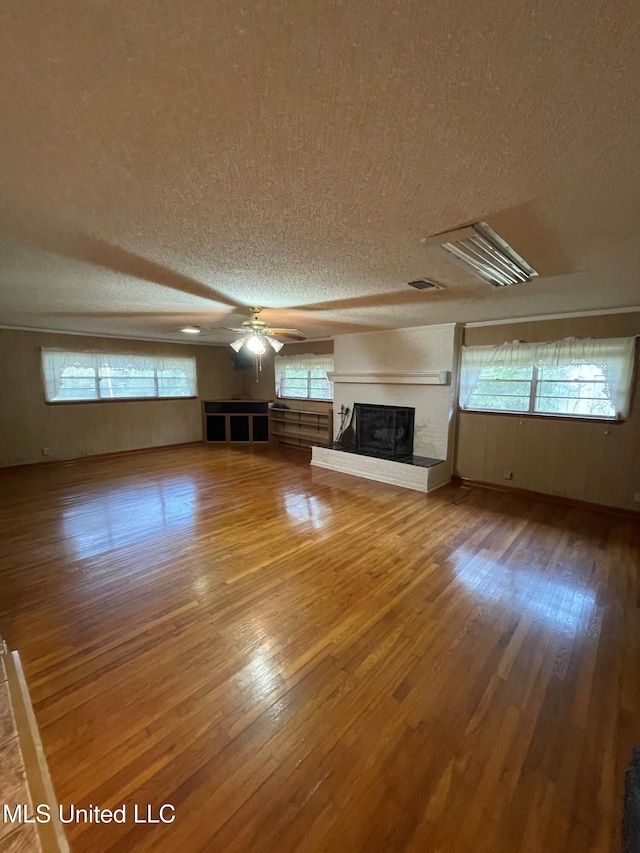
{"x": 425, "y": 284}
{"x": 485, "y": 254}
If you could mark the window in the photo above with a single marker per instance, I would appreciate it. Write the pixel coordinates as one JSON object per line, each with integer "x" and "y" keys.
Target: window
{"x": 84, "y": 376}
{"x": 589, "y": 378}
{"x": 304, "y": 377}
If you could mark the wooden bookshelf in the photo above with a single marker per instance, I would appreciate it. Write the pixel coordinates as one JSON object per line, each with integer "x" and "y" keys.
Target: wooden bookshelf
{"x": 300, "y": 427}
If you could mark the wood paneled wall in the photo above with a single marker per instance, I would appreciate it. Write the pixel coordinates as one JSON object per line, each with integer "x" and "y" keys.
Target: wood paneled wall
{"x": 28, "y": 424}
{"x": 584, "y": 460}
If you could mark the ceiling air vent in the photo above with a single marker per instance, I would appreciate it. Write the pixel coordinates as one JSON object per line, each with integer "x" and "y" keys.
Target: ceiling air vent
{"x": 425, "y": 284}
{"x": 486, "y": 254}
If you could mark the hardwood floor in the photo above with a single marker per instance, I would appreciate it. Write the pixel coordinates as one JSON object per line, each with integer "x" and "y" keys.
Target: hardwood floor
{"x": 299, "y": 660}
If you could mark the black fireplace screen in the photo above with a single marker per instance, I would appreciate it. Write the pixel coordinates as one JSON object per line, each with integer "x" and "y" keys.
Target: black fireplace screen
{"x": 385, "y": 431}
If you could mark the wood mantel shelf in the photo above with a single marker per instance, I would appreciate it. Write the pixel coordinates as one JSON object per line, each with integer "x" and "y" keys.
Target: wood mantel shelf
{"x": 433, "y": 377}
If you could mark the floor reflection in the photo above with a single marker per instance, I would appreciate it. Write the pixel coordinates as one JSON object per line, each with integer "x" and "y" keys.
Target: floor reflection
{"x": 260, "y": 673}
{"x": 308, "y": 509}
{"x": 128, "y": 514}
{"x": 549, "y": 596}
{"x": 200, "y": 585}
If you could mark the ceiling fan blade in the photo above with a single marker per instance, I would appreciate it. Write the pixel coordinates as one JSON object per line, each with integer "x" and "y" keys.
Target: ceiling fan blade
{"x": 260, "y": 328}
{"x": 294, "y": 334}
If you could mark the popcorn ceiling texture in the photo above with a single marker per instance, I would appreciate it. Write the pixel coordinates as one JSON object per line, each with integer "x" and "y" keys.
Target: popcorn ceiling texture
{"x": 164, "y": 163}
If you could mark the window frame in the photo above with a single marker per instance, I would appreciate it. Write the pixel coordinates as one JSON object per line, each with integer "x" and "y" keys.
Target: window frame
{"x": 537, "y": 366}
{"x": 531, "y": 412}
{"x": 98, "y": 379}
{"x": 533, "y": 396}
{"x": 309, "y": 378}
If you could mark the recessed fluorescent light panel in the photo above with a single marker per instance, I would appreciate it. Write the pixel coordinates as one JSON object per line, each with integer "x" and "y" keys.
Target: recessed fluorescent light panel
{"x": 487, "y": 255}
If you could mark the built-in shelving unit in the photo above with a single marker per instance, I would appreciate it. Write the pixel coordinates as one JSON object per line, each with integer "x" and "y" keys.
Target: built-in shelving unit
{"x": 236, "y": 421}
{"x": 301, "y": 428}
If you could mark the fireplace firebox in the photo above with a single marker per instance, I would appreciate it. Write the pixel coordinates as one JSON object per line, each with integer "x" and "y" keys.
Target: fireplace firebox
{"x": 384, "y": 431}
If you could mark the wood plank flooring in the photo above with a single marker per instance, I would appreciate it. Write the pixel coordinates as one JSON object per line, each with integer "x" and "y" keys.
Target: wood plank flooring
{"x": 303, "y": 661}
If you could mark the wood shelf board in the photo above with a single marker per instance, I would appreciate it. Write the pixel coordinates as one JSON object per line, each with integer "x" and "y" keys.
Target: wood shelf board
{"x": 301, "y": 412}
{"x": 432, "y": 377}
{"x": 300, "y": 421}
{"x": 301, "y": 427}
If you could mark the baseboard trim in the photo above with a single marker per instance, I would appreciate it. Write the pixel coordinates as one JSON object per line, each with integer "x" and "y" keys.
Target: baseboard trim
{"x": 545, "y": 496}
{"x": 73, "y": 460}
{"x": 52, "y": 836}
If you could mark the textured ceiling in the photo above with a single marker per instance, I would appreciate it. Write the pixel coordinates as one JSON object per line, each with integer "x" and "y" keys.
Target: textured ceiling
{"x": 163, "y": 163}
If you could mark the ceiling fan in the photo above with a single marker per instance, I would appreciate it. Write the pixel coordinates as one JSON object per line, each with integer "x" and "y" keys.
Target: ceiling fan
{"x": 256, "y": 334}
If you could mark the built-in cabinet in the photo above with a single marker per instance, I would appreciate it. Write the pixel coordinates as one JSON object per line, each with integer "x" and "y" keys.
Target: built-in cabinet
{"x": 301, "y": 428}
{"x": 236, "y": 421}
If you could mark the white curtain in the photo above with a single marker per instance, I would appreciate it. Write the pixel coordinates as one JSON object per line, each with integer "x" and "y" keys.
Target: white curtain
{"x": 55, "y": 362}
{"x": 615, "y": 356}
{"x": 300, "y": 362}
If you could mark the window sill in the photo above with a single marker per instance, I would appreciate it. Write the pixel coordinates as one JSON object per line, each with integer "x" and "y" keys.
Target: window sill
{"x": 307, "y": 399}
{"x": 545, "y": 416}
{"x": 115, "y": 400}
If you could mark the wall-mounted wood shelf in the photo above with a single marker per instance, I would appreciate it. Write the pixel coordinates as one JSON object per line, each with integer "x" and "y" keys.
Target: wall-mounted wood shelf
{"x": 432, "y": 377}
{"x": 301, "y": 428}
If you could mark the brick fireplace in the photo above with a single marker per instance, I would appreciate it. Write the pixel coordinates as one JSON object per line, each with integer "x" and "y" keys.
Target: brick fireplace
{"x": 401, "y": 385}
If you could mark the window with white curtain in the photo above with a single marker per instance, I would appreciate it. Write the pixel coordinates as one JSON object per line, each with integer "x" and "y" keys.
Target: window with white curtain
{"x": 577, "y": 378}
{"x": 84, "y": 376}
{"x": 304, "y": 377}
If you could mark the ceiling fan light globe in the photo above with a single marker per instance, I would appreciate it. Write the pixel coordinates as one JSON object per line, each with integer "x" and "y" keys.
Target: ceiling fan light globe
{"x": 255, "y": 344}
{"x": 277, "y": 346}
{"x": 237, "y": 345}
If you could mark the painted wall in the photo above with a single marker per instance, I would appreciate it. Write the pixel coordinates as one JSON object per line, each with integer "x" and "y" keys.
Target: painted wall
{"x": 415, "y": 350}
{"x": 27, "y": 423}
{"x": 584, "y": 460}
